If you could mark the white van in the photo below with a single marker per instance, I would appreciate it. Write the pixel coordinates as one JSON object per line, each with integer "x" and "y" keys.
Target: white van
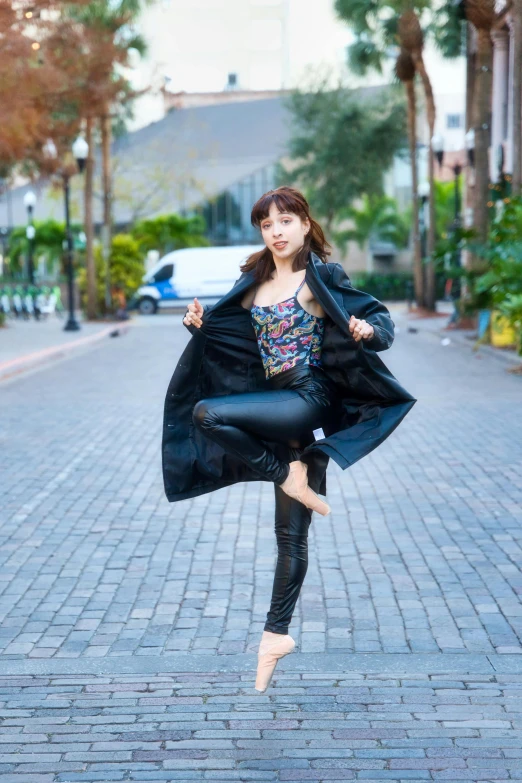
{"x": 205, "y": 272}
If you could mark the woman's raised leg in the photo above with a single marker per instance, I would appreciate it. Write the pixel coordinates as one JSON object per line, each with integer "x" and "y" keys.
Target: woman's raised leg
{"x": 240, "y": 422}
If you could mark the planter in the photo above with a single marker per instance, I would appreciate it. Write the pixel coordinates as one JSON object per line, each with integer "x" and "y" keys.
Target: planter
{"x": 502, "y": 333}
{"x": 483, "y": 322}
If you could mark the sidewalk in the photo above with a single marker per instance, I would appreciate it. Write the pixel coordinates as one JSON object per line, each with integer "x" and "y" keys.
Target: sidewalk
{"x": 468, "y": 337}
{"x": 25, "y": 345}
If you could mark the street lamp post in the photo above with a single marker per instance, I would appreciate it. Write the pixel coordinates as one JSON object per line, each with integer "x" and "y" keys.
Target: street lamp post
{"x": 423, "y": 193}
{"x": 29, "y": 203}
{"x": 80, "y": 150}
{"x": 3, "y": 239}
{"x": 437, "y": 143}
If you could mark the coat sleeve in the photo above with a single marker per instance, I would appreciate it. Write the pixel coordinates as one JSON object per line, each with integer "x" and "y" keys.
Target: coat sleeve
{"x": 365, "y": 306}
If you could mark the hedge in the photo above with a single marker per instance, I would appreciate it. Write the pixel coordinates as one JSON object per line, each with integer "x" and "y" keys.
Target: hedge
{"x": 397, "y": 286}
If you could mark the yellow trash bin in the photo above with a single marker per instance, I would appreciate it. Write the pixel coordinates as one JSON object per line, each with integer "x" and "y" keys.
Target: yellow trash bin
{"x": 502, "y": 334}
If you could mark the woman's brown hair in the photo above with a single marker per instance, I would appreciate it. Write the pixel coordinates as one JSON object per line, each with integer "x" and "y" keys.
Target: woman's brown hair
{"x": 286, "y": 199}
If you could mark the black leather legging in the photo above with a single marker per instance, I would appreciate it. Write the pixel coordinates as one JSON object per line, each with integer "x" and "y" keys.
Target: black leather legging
{"x": 296, "y": 403}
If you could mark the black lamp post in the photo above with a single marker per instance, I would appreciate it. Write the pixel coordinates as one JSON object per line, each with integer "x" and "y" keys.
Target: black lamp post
{"x": 3, "y": 239}
{"x": 80, "y": 150}
{"x": 29, "y": 203}
{"x": 423, "y": 192}
{"x": 437, "y": 144}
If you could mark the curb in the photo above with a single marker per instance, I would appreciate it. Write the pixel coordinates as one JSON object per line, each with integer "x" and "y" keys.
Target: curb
{"x": 462, "y": 337}
{"x": 382, "y": 663}
{"x": 31, "y": 360}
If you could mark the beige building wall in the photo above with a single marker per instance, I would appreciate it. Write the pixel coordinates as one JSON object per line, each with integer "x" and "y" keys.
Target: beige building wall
{"x": 269, "y": 44}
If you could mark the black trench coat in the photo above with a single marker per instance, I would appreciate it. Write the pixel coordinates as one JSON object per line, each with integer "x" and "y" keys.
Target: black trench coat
{"x": 222, "y": 357}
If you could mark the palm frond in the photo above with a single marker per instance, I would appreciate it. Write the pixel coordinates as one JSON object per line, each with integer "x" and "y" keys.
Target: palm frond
{"x": 357, "y": 13}
{"x": 363, "y": 56}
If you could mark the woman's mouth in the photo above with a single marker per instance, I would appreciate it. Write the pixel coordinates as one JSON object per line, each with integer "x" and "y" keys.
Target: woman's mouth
{"x": 280, "y": 245}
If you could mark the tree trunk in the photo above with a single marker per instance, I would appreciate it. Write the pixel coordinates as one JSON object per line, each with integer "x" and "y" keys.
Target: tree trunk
{"x": 107, "y": 202}
{"x": 470, "y": 75}
{"x": 482, "y": 125}
{"x": 430, "y": 294}
{"x": 470, "y": 92}
{"x": 92, "y": 303}
{"x": 429, "y": 290}
{"x": 517, "y": 97}
{"x": 412, "y": 138}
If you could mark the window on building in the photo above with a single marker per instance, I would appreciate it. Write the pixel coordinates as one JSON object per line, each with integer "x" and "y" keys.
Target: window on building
{"x": 454, "y": 120}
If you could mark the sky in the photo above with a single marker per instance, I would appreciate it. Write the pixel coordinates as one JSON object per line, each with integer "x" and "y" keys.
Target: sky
{"x": 195, "y": 44}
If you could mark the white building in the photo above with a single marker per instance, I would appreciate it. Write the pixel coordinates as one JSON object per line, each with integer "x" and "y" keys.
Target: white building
{"x": 266, "y": 45}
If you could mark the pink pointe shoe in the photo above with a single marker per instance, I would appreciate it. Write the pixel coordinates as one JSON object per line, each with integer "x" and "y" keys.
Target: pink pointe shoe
{"x": 296, "y": 486}
{"x": 273, "y": 646}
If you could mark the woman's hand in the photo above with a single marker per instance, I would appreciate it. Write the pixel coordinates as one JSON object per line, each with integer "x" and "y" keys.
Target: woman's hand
{"x": 360, "y": 329}
{"x": 194, "y": 314}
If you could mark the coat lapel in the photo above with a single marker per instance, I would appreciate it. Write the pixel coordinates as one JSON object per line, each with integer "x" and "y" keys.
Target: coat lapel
{"x": 325, "y": 297}
{"x": 240, "y": 286}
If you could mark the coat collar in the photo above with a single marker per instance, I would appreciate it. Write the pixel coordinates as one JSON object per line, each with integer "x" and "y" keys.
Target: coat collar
{"x": 315, "y": 282}
{"x": 331, "y": 304}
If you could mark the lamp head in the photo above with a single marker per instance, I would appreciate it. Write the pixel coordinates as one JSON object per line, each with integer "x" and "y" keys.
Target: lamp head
{"x": 469, "y": 140}
{"x": 49, "y": 150}
{"x": 80, "y": 150}
{"x": 423, "y": 191}
{"x": 437, "y": 145}
{"x": 29, "y": 199}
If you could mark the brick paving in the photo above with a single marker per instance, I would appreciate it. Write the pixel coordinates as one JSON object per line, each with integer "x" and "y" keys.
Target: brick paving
{"x": 421, "y": 553}
{"x": 208, "y": 726}
{"x": 111, "y": 598}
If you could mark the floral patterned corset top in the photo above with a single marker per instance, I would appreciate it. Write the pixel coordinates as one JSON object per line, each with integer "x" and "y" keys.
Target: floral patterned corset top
{"x": 287, "y": 335}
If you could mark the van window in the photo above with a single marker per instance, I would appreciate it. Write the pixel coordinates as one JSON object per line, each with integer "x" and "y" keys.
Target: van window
{"x": 165, "y": 273}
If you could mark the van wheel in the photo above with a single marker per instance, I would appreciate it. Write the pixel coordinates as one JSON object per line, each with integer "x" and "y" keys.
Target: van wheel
{"x": 147, "y": 306}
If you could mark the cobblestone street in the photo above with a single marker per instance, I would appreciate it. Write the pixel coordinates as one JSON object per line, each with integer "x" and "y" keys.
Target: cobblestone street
{"x": 128, "y": 625}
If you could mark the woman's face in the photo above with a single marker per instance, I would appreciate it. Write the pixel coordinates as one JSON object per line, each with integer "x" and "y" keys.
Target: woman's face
{"x": 283, "y": 232}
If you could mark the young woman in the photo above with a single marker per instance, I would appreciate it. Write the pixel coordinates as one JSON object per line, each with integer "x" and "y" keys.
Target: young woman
{"x": 280, "y": 375}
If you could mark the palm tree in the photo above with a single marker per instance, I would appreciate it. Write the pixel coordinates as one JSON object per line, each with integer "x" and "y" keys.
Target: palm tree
{"x": 405, "y": 71}
{"x": 381, "y": 26}
{"x": 412, "y": 39}
{"x": 110, "y": 37}
{"x": 92, "y": 299}
{"x": 376, "y": 218}
{"x": 378, "y": 27}
{"x": 484, "y": 17}
{"x": 517, "y": 97}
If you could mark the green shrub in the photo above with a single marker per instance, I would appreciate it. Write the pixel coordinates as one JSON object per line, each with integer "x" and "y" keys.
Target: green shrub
{"x": 126, "y": 267}
{"x": 396, "y": 286}
{"x": 169, "y": 232}
{"x": 49, "y": 240}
